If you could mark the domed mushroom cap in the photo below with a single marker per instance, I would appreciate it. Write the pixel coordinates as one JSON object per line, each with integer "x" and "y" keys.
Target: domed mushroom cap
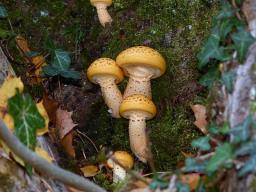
{"x": 124, "y": 158}
{"x": 142, "y": 56}
{"x": 107, "y": 2}
{"x": 104, "y": 67}
{"x": 137, "y": 103}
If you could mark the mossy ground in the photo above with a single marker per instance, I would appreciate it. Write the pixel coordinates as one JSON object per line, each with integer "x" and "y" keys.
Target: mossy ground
{"x": 175, "y": 28}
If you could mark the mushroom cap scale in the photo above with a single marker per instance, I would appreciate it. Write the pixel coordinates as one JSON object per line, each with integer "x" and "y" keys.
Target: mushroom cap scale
{"x": 104, "y": 67}
{"x": 107, "y": 2}
{"x": 124, "y": 158}
{"x": 137, "y": 104}
{"x": 142, "y": 56}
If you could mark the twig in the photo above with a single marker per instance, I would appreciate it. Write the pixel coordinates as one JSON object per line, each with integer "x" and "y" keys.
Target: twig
{"x": 89, "y": 139}
{"x": 204, "y": 157}
{"x": 43, "y": 166}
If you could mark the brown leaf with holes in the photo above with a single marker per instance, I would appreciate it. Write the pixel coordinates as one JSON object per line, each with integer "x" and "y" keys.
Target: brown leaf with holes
{"x": 200, "y": 115}
{"x": 191, "y": 179}
{"x": 64, "y": 122}
{"x": 51, "y": 107}
{"x": 67, "y": 143}
{"x": 90, "y": 170}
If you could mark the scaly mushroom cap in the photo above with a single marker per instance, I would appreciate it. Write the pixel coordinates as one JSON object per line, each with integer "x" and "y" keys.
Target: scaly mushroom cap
{"x": 124, "y": 158}
{"x": 142, "y": 56}
{"x": 107, "y": 2}
{"x": 104, "y": 66}
{"x": 137, "y": 103}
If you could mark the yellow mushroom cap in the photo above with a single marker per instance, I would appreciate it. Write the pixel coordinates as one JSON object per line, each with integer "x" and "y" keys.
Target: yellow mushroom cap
{"x": 124, "y": 158}
{"x": 107, "y": 2}
{"x": 104, "y": 67}
{"x": 137, "y": 103}
{"x": 142, "y": 56}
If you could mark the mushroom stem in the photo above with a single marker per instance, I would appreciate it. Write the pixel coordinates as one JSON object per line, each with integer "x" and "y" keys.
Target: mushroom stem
{"x": 138, "y": 86}
{"x": 111, "y": 94}
{"x": 119, "y": 173}
{"x": 103, "y": 14}
{"x": 138, "y": 137}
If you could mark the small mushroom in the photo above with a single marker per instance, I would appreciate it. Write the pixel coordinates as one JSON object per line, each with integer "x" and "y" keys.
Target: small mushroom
{"x": 125, "y": 159}
{"x": 107, "y": 74}
{"x": 103, "y": 15}
{"x": 141, "y": 64}
{"x": 138, "y": 109}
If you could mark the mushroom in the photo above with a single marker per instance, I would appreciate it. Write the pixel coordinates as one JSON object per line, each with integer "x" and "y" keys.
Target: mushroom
{"x": 138, "y": 109}
{"x": 141, "y": 64}
{"x": 103, "y": 15}
{"x": 125, "y": 159}
{"x": 107, "y": 74}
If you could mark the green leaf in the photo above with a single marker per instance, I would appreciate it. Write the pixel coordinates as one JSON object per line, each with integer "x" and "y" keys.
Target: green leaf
{"x": 249, "y": 166}
{"x": 247, "y": 148}
{"x": 223, "y": 153}
{"x": 241, "y": 131}
{"x": 201, "y": 187}
{"x": 242, "y": 40}
{"x": 61, "y": 60}
{"x": 210, "y": 77}
{"x": 202, "y": 143}
{"x": 193, "y": 166}
{"x": 228, "y": 79}
{"x": 226, "y": 11}
{"x": 49, "y": 44}
{"x": 182, "y": 187}
{"x": 26, "y": 118}
{"x": 211, "y": 49}
{"x": 4, "y": 33}
{"x": 50, "y": 70}
{"x": 70, "y": 74}
{"x": 225, "y": 26}
{"x": 3, "y": 12}
{"x": 158, "y": 183}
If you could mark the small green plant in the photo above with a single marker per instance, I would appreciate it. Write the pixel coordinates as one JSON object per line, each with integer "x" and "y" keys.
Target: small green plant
{"x": 60, "y": 63}
{"x": 228, "y": 40}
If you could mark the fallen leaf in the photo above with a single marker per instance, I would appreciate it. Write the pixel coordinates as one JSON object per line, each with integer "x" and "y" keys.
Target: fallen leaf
{"x": 8, "y": 89}
{"x": 7, "y": 120}
{"x": 200, "y": 115}
{"x": 90, "y": 170}
{"x": 51, "y": 107}
{"x": 141, "y": 184}
{"x": 64, "y": 122}
{"x": 22, "y": 44}
{"x": 44, "y": 154}
{"x": 191, "y": 179}
{"x": 44, "y": 114}
{"x": 67, "y": 143}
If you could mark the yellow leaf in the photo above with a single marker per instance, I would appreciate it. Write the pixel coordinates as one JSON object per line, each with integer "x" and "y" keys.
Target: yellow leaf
{"x": 8, "y": 89}
{"x": 44, "y": 154}
{"x": 89, "y": 170}
{"x": 7, "y": 120}
{"x": 44, "y": 114}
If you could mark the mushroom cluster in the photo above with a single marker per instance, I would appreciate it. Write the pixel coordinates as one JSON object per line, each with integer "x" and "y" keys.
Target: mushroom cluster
{"x": 140, "y": 64}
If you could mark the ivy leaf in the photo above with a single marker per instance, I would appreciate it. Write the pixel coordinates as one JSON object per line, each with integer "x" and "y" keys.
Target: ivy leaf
{"x": 50, "y": 70}
{"x": 61, "y": 59}
{"x": 26, "y": 118}
{"x": 158, "y": 183}
{"x": 210, "y": 77}
{"x": 225, "y": 26}
{"x": 242, "y": 40}
{"x": 247, "y": 148}
{"x": 226, "y": 11}
{"x": 211, "y": 49}
{"x": 70, "y": 74}
{"x": 241, "y": 131}
{"x": 223, "y": 153}
{"x": 202, "y": 143}
{"x": 3, "y": 12}
{"x": 228, "y": 79}
{"x": 193, "y": 166}
{"x": 182, "y": 187}
{"x": 249, "y": 166}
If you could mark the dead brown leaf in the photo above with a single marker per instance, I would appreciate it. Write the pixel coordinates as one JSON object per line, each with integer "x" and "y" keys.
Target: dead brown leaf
{"x": 90, "y": 170}
{"x": 51, "y": 107}
{"x": 200, "y": 115}
{"x": 67, "y": 143}
{"x": 191, "y": 179}
{"x": 64, "y": 122}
